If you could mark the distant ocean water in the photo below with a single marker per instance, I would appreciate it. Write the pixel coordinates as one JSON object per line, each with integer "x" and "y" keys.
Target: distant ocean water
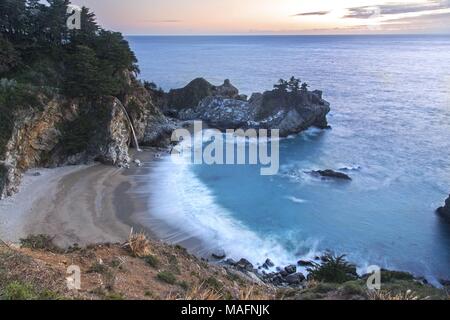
{"x": 390, "y": 100}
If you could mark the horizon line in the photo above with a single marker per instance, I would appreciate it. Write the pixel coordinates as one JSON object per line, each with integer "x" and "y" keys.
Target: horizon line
{"x": 286, "y": 35}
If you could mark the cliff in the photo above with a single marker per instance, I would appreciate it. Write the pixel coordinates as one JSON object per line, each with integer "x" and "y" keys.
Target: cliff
{"x": 51, "y": 130}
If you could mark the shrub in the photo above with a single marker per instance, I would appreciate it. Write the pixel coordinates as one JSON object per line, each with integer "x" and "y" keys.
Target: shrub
{"x": 334, "y": 269}
{"x": 139, "y": 244}
{"x": 152, "y": 261}
{"x": 19, "y": 291}
{"x": 98, "y": 268}
{"x": 213, "y": 283}
{"x": 352, "y": 288}
{"x": 39, "y": 242}
{"x": 167, "y": 277}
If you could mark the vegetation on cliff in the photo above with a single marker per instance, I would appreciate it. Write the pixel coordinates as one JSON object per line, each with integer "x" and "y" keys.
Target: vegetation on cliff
{"x": 151, "y": 270}
{"x": 40, "y": 56}
{"x": 38, "y": 48}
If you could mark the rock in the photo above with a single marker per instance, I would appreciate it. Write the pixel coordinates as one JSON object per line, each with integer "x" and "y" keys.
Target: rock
{"x": 36, "y": 174}
{"x": 290, "y": 113}
{"x": 137, "y": 162}
{"x": 291, "y": 269}
{"x": 295, "y": 279}
{"x": 219, "y": 255}
{"x": 283, "y": 273}
{"x": 190, "y": 96}
{"x": 268, "y": 264}
{"x": 332, "y": 174}
{"x": 305, "y": 263}
{"x": 245, "y": 265}
{"x": 445, "y": 210}
{"x": 230, "y": 262}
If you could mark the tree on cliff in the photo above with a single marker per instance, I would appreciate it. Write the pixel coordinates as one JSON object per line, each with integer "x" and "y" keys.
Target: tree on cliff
{"x": 37, "y": 48}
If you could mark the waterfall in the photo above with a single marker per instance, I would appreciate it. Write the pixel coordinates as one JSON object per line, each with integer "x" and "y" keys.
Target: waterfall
{"x": 136, "y": 144}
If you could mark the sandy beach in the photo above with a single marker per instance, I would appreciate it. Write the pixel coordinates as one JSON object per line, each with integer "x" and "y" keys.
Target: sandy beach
{"x": 77, "y": 204}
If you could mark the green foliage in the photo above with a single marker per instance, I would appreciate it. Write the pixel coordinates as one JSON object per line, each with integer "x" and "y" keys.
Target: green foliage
{"x": 293, "y": 85}
{"x": 39, "y": 242}
{"x": 114, "y": 296}
{"x": 36, "y": 47}
{"x": 184, "y": 284}
{"x": 152, "y": 261}
{"x": 167, "y": 277}
{"x": 19, "y": 291}
{"x": 76, "y": 135}
{"x": 98, "y": 268}
{"x": 213, "y": 283}
{"x": 354, "y": 288}
{"x": 334, "y": 269}
{"x": 9, "y": 57}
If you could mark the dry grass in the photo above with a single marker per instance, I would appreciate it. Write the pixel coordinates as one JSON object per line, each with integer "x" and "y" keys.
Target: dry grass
{"x": 387, "y": 295}
{"x": 139, "y": 244}
{"x": 197, "y": 293}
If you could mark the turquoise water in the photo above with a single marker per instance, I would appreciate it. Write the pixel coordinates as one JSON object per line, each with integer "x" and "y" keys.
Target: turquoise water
{"x": 390, "y": 100}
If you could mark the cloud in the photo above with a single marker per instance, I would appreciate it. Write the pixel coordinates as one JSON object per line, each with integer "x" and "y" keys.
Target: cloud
{"x": 367, "y": 12}
{"x": 314, "y": 13}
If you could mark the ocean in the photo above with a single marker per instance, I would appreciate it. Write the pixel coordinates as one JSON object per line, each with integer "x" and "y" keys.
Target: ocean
{"x": 390, "y": 118}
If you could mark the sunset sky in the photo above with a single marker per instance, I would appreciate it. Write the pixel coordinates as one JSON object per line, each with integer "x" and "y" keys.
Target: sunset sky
{"x": 180, "y": 17}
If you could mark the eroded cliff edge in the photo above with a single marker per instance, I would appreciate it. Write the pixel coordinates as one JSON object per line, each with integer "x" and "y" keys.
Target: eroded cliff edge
{"x": 52, "y": 130}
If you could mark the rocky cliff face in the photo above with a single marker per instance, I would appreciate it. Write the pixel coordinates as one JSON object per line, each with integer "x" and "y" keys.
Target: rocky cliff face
{"x": 152, "y": 127}
{"x": 445, "y": 210}
{"x": 58, "y": 131}
{"x": 64, "y": 132}
{"x": 286, "y": 111}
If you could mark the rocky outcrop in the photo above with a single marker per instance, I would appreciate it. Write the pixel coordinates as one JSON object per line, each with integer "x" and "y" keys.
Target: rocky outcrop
{"x": 198, "y": 89}
{"x": 445, "y": 210}
{"x": 287, "y": 111}
{"x": 152, "y": 127}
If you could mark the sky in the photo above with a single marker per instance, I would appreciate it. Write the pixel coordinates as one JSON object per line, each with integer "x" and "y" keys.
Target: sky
{"x": 210, "y": 17}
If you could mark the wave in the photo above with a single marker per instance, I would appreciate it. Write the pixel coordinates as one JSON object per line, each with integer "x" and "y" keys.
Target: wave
{"x": 185, "y": 204}
{"x": 295, "y": 199}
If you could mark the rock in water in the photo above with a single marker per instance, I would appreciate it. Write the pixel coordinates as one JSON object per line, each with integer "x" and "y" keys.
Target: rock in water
{"x": 268, "y": 264}
{"x": 305, "y": 263}
{"x": 223, "y": 108}
{"x": 245, "y": 265}
{"x": 332, "y": 174}
{"x": 291, "y": 269}
{"x": 219, "y": 255}
{"x": 198, "y": 89}
{"x": 295, "y": 279}
{"x": 445, "y": 210}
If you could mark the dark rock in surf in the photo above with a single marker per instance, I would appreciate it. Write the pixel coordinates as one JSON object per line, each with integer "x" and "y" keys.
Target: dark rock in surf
{"x": 305, "y": 263}
{"x": 295, "y": 278}
{"x": 244, "y": 264}
{"x": 219, "y": 255}
{"x": 332, "y": 174}
{"x": 445, "y": 210}
{"x": 268, "y": 264}
{"x": 291, "y": 269}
